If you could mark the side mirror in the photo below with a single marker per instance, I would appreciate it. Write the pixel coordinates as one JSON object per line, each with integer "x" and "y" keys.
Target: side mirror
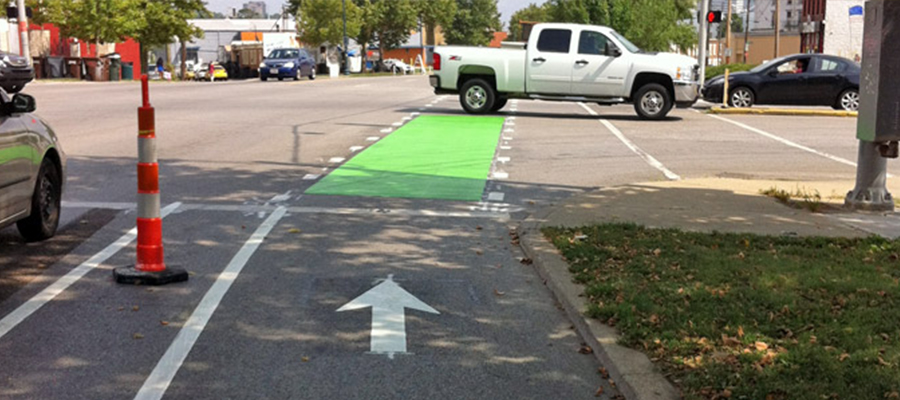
{"x": 22, "y": 103}
{"x": 613, "y": 50}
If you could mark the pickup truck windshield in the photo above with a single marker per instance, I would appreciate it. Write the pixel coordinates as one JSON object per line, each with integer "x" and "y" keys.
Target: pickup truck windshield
{"x": 625, "y": 42}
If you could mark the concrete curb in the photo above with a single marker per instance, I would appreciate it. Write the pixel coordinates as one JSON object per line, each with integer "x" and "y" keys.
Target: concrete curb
{"x": 781, "y": 111}
{"x": 634, "y": 374}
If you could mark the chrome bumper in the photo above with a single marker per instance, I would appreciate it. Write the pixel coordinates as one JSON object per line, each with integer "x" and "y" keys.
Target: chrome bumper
{"x": 686, "y": 92}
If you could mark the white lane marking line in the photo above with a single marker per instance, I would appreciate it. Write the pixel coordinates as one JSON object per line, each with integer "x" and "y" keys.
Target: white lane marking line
{"x": 785, "y": 141}
{"x": 336, "y": 160}
{"x": 325, "y": 169}
{"x": 397, "y": 124}
{"x": 509, "y": 130}
{"x": 310, "y": 177}
{"x": 505, "y": 147}
{"x": 414, "y": 114}
{"x": 281, "y": 198}
{"x": 387, "y": 130}
{"x": 510, "y": 124}
{"x": 373, "y": 138}
{"x": 507, "y": 138}
{"x": 407, "y": 118}
{"x": 511, "y": 118}
{"x": 354, "y": 149}
{"x": 156, "y": 384}
{"x": 103, "y": 205}
{"x": 653, "y": 162}
{"x": 500, "y": 175}
{"x": 503, "y": 160}
{"x": 496, "y": 196}
{"x": 18, "y": 315}
{"x": 429, "y": 105}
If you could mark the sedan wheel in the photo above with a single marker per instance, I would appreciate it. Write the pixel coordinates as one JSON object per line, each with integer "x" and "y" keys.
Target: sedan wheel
{"x": 850, "y": 100}
{"x": 741, "y": 98}
{"x": 45, "y": 205}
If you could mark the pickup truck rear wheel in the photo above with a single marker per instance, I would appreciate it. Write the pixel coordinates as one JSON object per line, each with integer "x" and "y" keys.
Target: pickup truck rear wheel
{"x": 499, "y": 104}
{"x": 652, "y": 101}
{"x": 477, "y": 96}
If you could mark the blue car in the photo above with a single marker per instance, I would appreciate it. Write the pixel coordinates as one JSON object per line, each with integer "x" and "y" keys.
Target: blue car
{"x": 287, "y": 63}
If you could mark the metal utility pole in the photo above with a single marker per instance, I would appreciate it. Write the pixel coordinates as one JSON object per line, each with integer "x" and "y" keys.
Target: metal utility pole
{"x": 346, "y": 40}
{"x": 704, "y": 32}
{"x": 24, "y": 47}
{"x": 777, "y": 27}
{"x": 747, "y": 33}
{"x": 728, "y": 50}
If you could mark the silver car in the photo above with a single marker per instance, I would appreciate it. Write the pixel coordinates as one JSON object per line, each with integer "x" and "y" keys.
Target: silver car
{"x": 32, "y": 169}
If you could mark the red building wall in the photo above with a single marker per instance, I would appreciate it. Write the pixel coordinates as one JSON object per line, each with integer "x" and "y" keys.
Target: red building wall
{"x": 59, "y": 46}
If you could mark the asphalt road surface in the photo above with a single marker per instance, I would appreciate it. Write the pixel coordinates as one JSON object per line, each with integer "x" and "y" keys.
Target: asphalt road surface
{"x": 281, "y": 201}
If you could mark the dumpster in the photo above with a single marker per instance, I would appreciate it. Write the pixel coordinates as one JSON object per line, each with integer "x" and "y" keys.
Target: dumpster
{"x": 38, "y": 65}
{"x": 73, "y": 67}
{"x": 95, "y": 69}
{"x": 127, "y": 71}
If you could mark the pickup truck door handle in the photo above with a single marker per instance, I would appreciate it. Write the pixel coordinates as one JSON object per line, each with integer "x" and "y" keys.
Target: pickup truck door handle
{"x": 539, "y": 59}
{"x": 581, "y": 62}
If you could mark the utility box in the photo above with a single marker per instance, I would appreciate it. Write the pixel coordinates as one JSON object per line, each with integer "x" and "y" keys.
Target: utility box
{"x": 879, "y": 109}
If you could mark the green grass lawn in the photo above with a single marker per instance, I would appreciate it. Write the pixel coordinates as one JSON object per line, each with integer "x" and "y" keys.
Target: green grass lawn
{"x": 748, "y": 317}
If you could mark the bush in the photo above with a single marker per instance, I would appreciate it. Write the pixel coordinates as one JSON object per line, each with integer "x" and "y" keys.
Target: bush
{"x": 712, "y": 72}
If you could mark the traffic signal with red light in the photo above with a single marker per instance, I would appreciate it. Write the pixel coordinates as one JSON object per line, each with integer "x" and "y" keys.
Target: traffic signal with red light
{"x": 714, "y": 17}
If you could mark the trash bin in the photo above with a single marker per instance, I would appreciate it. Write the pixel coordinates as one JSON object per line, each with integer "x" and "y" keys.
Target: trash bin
{"x": 73, "y": 67}
{"x": 54, "y": 67}
{"x": 38, "y": 64}
{"x": 127, "y": 71}
{"x": 113, "y": 62}
{"x": 94, "y": 68}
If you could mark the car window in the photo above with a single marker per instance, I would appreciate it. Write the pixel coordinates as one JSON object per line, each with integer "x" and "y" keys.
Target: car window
{"x": 283, "y": 53}
{"x": 594, "y": 43}
{"x": 797, "y": 66}
{"x": 826, "y": 65}
{"x": 304, "y": 54}
{"x": 554, "y": 40}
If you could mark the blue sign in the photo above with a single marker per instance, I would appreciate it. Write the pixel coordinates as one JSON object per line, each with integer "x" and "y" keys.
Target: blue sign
{"x": 856, "y": 10}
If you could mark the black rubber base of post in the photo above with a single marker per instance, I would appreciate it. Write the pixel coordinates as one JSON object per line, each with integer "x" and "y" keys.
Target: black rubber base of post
{"x": 132, "y": 276}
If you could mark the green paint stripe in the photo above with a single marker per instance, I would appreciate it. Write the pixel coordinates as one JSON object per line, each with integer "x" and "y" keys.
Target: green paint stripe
{"x": 431, "y": 157}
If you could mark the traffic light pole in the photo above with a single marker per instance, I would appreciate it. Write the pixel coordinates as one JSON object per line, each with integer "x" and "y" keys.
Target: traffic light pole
{"x": 23, "y": 31}
{"x": 704, "y": 24}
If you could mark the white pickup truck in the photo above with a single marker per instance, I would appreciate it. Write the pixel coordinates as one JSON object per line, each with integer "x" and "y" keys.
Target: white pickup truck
{"x": 567, "y": 62}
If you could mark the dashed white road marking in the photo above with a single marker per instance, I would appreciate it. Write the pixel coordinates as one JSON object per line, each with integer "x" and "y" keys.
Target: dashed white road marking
{"x": 511, "y": 118}
{"x": 354, "y": 149}
{"x": 429, "y": 105}
{"x": 387, "y": 130}
{"x": 25, "y": 310}
{"x": 510, "y": 124}
{"x": 373, "y": 138}
{"x": 500, "y": 175}
{"x": 509, "y": 130}
{"x": 310, "y": 177}
{"x": 158, "y": 382}
{"x": 507, "y": 138}
{"x": 415, "y": 114}
{"x": 397, "y": 124}
{"x": 785, "y": 141}
{"x": 503, "y": 160}
{"x": 653, "y": 162}
{"x": 407, "y": 118}
{"x": 496, "y": 196}
{"x": 336, "y": 160}
{"x": 505, "y": 147}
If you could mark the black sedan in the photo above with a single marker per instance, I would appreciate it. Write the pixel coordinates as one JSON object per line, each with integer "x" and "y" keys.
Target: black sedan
{"x": 14, "y": 72}
{"x": 801, "y": 79}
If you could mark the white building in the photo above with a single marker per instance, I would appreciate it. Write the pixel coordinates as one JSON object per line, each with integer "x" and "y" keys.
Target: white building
{"x": 843, "y": 32}
{"x": 764, "y": 15}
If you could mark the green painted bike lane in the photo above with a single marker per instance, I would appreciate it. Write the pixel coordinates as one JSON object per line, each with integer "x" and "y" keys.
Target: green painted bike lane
{"x": 431, "y": 157}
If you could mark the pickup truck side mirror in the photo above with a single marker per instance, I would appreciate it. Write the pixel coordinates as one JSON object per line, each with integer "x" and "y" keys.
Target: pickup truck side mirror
{"x": 613, "y": 51}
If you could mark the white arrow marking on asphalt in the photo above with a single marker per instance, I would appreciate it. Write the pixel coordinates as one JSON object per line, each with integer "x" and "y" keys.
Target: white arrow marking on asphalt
{"x": 388, "y": 301}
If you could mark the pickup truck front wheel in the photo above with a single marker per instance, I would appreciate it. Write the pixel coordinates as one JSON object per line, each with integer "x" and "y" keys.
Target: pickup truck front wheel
{"x": 477, "y": 96}
{"x": 652, "y": 101}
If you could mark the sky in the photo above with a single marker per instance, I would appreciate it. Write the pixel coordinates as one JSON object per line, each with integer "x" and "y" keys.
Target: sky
{"x": 506, "y": 7}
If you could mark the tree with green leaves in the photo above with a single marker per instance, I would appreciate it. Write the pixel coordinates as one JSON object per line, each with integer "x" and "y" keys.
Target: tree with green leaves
{"x": 475, "y": 23}
{"x": 434, "y": 13}
{"x": 737, "y": 25}
{"x": 161, "y": 21}
{"x": 321, "y": 21}
{"x": 388, "y": 22}
{"x": 95, "y": 21}
{"x": 532, "y": 13}
{"x": 246, "y": 13}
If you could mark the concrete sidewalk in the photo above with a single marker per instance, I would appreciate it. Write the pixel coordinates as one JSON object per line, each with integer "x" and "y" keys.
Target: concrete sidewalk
{"x": 703, "y": 205}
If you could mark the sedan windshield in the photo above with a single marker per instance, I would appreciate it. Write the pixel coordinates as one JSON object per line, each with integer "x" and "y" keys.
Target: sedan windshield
{"x": 625, "y": 42}
{"x": 284, "y": 53}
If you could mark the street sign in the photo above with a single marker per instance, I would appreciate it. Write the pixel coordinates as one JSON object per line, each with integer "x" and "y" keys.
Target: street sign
{"x": 388, "y": 301}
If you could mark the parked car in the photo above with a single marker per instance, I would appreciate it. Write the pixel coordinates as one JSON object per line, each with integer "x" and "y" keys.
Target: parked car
{"x": 201, "y": 73}
{"x": 398, "y": 66}
{"x": 32, "y": 169}
{"x": 287, "y": 63}
{"x": 567, "y": 62}
{"x": 800, "y": 79}
{"x": 15, "y": 72}
{"x": 219, "y": 73}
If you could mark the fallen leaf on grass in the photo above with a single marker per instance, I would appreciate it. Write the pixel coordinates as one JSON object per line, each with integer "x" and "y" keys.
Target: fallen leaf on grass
{"x": 843, "y": 357}
{"x": 657, "y": 252}
{"x": 883, "y": 363}
{"x": 740, "y": 332}
{"x": 761, "y": 346}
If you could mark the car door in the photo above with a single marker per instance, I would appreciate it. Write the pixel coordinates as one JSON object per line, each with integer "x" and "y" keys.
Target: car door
{"x": 825, "y": 81}
{"x": 16, "y": 153}
{"x": 595, "y": 71}
{"x": 306, "y": 63}
{"x": 785, "y": 83}
{"x": 550, "y": 63}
